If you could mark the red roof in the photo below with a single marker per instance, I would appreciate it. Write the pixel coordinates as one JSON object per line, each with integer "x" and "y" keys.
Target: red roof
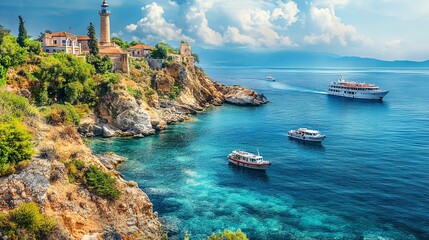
{"x": 112, "y": 50}
{"x": 60, "y": 34}
{"x": 142, "y": 46}
{"x": 82, "y": 38}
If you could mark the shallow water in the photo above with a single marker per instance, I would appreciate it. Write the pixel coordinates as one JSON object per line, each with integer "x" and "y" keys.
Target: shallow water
{"x": 369, "y": 178}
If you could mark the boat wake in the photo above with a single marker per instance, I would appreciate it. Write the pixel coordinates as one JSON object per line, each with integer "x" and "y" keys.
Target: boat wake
{"x": 283, "y": 86}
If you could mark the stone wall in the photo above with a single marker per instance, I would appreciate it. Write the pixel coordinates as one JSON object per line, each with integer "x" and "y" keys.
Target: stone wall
{"x": 155, "y": 64}
{"x": 120, "y": 62}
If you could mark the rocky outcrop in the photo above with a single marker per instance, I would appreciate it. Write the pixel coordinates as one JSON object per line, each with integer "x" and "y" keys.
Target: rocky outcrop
{"x": 120, "y": 114}
{"x": 29, "y": 185}
{"x": 241, "y": 96}
{"x": 110, "y": 160}
{"x": 79, "y": 213}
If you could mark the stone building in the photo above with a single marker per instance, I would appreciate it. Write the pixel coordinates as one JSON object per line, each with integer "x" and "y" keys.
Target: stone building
{"x": 186, "y": 53}
{"x": 83, "y": 41}
{"x": 140, "y": 50}
{"x": 61, "y": 42}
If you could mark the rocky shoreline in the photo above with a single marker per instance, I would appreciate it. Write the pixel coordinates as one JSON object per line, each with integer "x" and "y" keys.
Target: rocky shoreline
{"x": 119, "y": 114}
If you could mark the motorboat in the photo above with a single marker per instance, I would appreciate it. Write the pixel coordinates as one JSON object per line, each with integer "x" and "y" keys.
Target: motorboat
{"x": 305, "y": 134}
{"x": 248, "y": 160}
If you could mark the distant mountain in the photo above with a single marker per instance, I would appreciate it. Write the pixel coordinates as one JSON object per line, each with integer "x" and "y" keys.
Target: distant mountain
{"x": 218, "y": 58}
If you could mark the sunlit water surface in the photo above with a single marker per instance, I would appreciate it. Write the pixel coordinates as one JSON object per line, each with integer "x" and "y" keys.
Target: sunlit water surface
{"x": 368, "y": 180}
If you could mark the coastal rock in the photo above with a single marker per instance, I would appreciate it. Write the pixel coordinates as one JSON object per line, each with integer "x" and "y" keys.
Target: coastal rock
{"x": 29, "y": 185}
{"x": 78, "y": 212}
{"x": 110, "y": 160}
{"x": 241, "y": 96}
{"x": 120, "y": 111}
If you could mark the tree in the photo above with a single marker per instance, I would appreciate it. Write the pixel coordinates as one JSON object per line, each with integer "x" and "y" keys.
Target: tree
{"x": 11, "y": 54}
{"x": 102, "y": 64}
{"x": 196, "y": 57}
{"x": 22, "y": 35}
{"x": 42, "y": 35}
{"x": 162, "y": 50}
{"x": 34, "y": 47}
{"x": 119, "y": 42}
{"x": 92, "y": 42}
{"x": 133, "y": 43}
{"x": 3, "y": 32}
{"x": 63, "y": 78}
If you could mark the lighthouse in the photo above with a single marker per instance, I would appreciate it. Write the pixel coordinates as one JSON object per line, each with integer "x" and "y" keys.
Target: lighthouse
{"x": 104, "y": 24}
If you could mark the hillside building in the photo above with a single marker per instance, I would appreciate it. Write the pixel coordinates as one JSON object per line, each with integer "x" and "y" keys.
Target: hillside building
{"x": 140, "y": 50}
{"x": 61, "y": 42}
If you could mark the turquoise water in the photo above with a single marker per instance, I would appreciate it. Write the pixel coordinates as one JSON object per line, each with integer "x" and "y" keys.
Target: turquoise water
{"x": 368, "y": 180}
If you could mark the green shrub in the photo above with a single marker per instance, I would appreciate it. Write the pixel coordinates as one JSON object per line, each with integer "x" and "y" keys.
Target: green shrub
{"x": 175, "y": 92}
{"x": 108, "y": 82}
{"x": 102, "y": 64}
{"x": 11, "y": 54}
{"x": 15, "y": 146}
{"x": 228, "y": 235}
{"x": 3, "y": 72}
{"x": 75, "y": 170}
{"x": 135, "y": 92}
{"x": 14, "y": 107}
{"x": 59, "y": 114}
{"x": 26, "y": 222}
{"x": 101, "y": 183}
{"x": 34, "y": 47}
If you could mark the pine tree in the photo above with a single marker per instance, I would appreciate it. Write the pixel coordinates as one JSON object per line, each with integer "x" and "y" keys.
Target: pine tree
{"x": 22, "y": 35}
{"x": 93, "y": 42}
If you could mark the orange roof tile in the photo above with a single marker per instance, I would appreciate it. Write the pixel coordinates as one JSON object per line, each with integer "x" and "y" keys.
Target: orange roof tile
{"x": 82, "y": 38}
{"x": 142, "y": 46}
{"x": 60, "y": 34}
{"x": 112, "y": 51}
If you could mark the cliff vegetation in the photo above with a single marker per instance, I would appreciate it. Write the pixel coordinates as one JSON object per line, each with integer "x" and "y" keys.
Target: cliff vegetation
{"x": 51, "y": 185}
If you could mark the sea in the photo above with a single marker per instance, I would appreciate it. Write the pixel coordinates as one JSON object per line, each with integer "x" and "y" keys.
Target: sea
{"x": 369, "y": 179}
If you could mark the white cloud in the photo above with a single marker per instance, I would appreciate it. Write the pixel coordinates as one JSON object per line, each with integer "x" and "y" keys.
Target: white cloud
{"x": 155, "y": 27}
{"x": 233, "y": 35}
{"x": 332, "y": 26}
{"x": 120, "y": 33}
{"x": 257, "y": 24}
{"x": 315, "y": 39}
{"x": 198, "y": 23}
{"x": 131, "y": 27}
{"x": 287, "y": 11}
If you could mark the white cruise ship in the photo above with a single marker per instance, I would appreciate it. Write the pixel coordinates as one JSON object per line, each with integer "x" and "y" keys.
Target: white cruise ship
{"x": 348, "y": 89}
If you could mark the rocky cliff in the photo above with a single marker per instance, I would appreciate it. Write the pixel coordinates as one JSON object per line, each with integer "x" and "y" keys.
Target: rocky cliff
{"x": 78, "y": 212}
{"x": 180, "y": 92}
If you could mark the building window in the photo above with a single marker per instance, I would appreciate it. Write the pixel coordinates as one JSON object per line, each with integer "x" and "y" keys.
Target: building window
{"x": 55, "y": 41}
{"x": 47, "y": 50}
{"x": 64, "y": 42}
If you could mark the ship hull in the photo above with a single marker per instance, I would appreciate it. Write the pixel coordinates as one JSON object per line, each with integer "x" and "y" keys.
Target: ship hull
{"x": 369, "y": 95}
{"x": 261, "y": 167}
{"x": 306, "y": 139}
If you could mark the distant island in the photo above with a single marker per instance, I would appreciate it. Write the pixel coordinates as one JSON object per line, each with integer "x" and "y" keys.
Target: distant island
{"x": 298, "y": 59}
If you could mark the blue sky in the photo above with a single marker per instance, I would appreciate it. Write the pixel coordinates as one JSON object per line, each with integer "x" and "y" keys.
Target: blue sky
{"x": 382, "y": 29}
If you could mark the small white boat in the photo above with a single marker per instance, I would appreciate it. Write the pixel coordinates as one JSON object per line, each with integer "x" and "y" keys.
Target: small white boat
{"x": 248, "y": 160}
{"x": 305, "y": 134}
{"x": 270, "y": 78}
